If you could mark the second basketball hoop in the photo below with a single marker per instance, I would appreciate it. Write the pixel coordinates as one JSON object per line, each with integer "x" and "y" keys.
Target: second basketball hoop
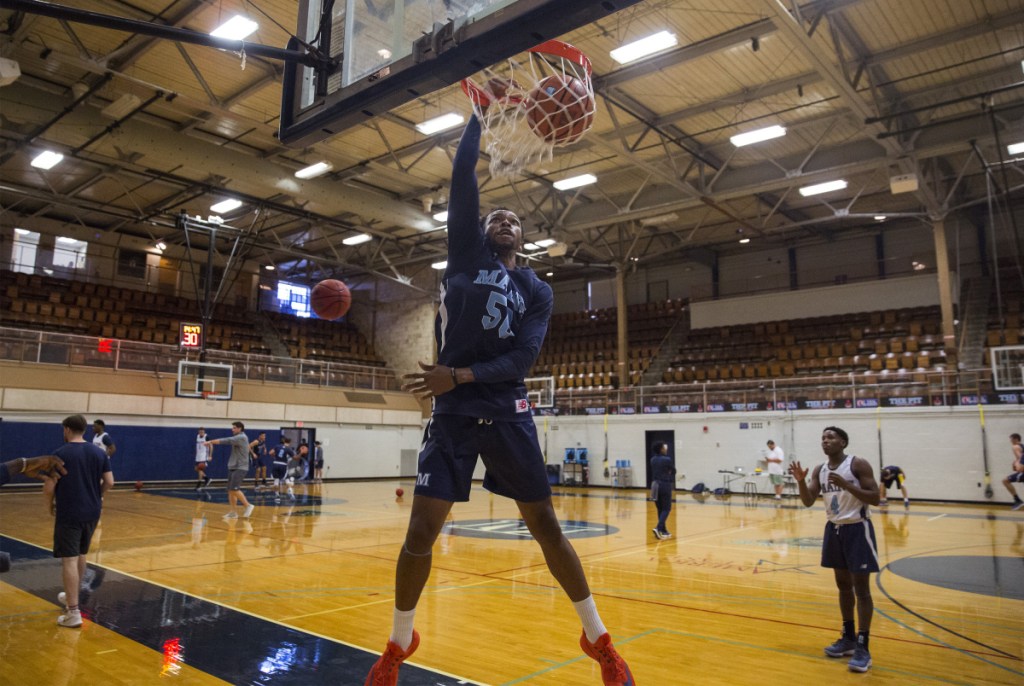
{"x": 528, "y": 107}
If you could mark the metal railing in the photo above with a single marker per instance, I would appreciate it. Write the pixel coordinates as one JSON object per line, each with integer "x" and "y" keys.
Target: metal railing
{"x": 40, "y": 347}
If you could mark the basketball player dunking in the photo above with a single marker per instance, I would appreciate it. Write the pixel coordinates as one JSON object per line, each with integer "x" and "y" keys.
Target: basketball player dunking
{"x": 489, "y": 328}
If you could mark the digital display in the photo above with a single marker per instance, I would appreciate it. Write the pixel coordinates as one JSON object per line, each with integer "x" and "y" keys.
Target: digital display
{"x": 191, "y": 336}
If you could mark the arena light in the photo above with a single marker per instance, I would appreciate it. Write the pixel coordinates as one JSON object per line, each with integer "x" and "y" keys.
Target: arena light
{"x": 744, "y": 241}
{"x": 827, "y": 187}
{"x": 437, "y": 124}
{"x": 545, "y": 242}
{"x": 575, "y": 182}
{"x": 439, "y": 265}
{"x": 880, "y": 217}
{"x": 630, "y": 52}
{"x": 531, "y": 247}
{"x": 757, "y": 136}
{"x": 313, "y": 170}
{"x": 1015, "y": 148}
{"x": 356, "y": 240}
{"x": 235, "y": 28}
{"x": 270, "y": 267}
{"x": 161, "y": 246}
{"x": 441, "y": 216}
{"x": 47, "y": 159}
{"x": 225, "y": 206}
{"x": 22, "y": 232}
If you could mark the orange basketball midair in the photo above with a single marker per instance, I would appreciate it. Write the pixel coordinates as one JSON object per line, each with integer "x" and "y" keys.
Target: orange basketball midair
{"x": 330, "y": 299}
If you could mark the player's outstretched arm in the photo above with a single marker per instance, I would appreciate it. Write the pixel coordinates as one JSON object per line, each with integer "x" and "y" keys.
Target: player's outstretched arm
{"x": 464, "y": 234}
{"x": 808, "y": 493}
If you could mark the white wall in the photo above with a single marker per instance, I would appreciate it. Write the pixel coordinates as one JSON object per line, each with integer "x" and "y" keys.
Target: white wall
{"x": 864, "y": 296}
{"x": 939, "y": 448}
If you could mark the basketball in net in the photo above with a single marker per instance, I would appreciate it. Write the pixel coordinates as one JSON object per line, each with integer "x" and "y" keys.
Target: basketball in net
{"x": 528, "y": 106}
{"x": 330, "y": 299}
{"x": 560, "y": 109}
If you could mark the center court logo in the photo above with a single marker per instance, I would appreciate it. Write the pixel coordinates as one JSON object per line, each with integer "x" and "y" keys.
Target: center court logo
{"x": 516, "y": 530}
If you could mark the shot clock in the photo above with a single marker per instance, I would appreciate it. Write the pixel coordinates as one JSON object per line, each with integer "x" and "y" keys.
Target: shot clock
{"x": 190, "y": 336}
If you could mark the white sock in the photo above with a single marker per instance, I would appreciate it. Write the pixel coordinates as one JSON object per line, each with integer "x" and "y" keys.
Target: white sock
{"x": 592, "y": 624}
{"x": 401, "y": 629}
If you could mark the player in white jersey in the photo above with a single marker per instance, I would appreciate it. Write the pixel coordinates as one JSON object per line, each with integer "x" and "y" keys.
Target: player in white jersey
{"x": 202, "y": 458}
{"x": 848, "y": 486}
{"x": 101, "y": 439}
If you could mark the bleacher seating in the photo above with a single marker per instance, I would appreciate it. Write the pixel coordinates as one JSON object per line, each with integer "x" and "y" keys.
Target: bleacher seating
{"x": 56, "y": 305}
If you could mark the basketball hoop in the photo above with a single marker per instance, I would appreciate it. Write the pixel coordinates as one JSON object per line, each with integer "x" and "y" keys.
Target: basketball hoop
{"x": 206, "y": 395}
{"x": 527, "y": 109}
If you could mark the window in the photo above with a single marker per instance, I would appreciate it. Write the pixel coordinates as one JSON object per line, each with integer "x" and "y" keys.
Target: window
{"x": 293, "y": 298}
{"x": 69, "y": 253}
{"x": 23, "y": 252}
{"x": 131, "y": 263}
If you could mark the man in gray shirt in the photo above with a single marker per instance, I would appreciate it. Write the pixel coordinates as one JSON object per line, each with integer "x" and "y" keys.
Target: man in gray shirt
{"x": 238, "y": 465}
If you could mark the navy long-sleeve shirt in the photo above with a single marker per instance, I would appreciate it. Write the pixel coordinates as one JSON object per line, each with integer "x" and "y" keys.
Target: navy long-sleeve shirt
{"x": 491, "y": 319}
{"x": 663, "y": 469}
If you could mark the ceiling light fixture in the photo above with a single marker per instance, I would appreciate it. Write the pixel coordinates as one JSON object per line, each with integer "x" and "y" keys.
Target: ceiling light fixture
{"x": 225, "y": 206}
{"x": 356, "y": 240}
{"x": 1015, "y": 148}
{"x": 531, "y": 246}
{"x": 826, "y": 187}
{"x": 630, "y": 52}
{"x": 161, "y": 246}
{"x": 545, "y": 242}
{"x": 270, "y": 267}
{"x": 575, "y": 182}
{"x": 880, "y": 217}
{"x": 314, "y": 170}
{"x": 445, "y": 121}
{"x": 758, "y": 135}
{"x": 47, "y": 159}
{"x": 439, "y": 265}
{"x": 441, "y": 216}
{"x": 744, "y": 240}
{"x": 235, "y": 28}
{"x": 22, "y": 232}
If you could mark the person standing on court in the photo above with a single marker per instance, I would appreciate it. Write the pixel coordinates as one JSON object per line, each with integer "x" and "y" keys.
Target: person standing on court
{"x": 318, "y": 462}
{"x": 848, "y": 486}
{"x": 776, "y": 470}
{"x": 101, "y": 439}
{"x": 78, "y": 502}
{"x": 1017, "y": 477}
{"x": 891, "y": 474}
{"x": 202, "y": 460}
{"x": 663, "y": 473}
{"x": 238, "y": 465}
{"x": 261, "y": 456}
{"x": 489, "y": 328}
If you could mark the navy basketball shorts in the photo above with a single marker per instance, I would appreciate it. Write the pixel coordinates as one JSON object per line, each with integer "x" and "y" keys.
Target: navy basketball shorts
{"x": 510, "y": 452}
{"x": 851, "y": 547}
{"x": 278, "y": 471}
{"x": 71, "y": 539}
{"x": 1016, "y": 478}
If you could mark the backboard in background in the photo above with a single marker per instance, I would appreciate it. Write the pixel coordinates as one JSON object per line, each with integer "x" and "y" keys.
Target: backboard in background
{"x": 1008, "y": 368}
{"x": 391, "y": 52}
{"x": 204, "y": 380}
{"x": 541, "y": 391}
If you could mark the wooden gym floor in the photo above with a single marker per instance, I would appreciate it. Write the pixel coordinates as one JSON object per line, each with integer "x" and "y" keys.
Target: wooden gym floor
{"x": 303, "y": 591}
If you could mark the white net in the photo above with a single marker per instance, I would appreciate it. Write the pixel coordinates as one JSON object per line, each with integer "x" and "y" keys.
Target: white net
{"x": 528, "y": 106}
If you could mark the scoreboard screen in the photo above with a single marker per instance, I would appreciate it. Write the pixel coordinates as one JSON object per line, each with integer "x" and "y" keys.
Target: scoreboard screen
{"x": 190, "y": 336}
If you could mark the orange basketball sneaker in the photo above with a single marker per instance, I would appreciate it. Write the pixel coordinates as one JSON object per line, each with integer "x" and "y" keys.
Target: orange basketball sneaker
{"x": 385, "y": 670}
{"x": 614, "y": 670}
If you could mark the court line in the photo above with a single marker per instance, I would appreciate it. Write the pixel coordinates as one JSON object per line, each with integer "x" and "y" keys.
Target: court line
{"x": 878, "y": 583}
{"x": 245, "y": 612}
{"x": 932, "y": 519}
{"x": 737, "y": 644}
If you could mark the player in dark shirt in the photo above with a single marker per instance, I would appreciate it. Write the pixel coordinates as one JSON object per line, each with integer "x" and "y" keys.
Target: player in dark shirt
{"x": 893, "y": 475}
{"x": 490, "y": 324}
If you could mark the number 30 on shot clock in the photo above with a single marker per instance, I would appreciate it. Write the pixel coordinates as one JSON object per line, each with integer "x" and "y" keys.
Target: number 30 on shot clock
{"x": 191, "y": 336}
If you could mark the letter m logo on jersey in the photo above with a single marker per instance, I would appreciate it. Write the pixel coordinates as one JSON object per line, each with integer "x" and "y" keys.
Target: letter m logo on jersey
{"x": 423, "y": 479}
